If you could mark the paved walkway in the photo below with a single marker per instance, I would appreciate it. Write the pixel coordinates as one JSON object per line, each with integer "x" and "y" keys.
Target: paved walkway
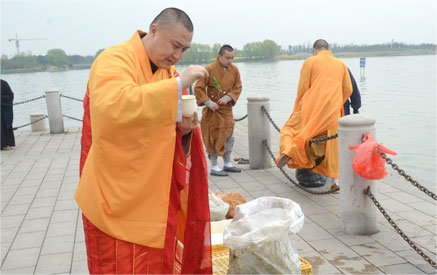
{"x": 41, "y": 229}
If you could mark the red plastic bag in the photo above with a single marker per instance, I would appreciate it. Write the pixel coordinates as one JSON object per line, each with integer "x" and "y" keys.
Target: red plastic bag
{"x": 367, "y": 163}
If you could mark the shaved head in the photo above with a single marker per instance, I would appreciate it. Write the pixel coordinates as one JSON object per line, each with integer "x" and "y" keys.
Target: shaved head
{"x": 321, "y": 44}
{"x": 170, "y": 16}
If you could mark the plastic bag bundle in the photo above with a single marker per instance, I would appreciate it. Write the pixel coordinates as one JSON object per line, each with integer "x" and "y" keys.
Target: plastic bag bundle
{"x": 218, "y": 208}
{"x": 367, "y": 162}
{"x": 259, "y": 237}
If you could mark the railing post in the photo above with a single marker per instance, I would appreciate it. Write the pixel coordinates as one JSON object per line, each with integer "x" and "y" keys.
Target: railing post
{"x": 38, "y": 126}
{"x": 258, "y": 130}
{"x": 54, "y": 111}
{"x": 359, "y": 214}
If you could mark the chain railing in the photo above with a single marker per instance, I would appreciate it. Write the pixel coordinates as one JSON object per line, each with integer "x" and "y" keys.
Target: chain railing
{"x": 241, "y": 160}
{"x": 29, "y": 100}
{"x": 398, "y": 230}
{"x": 241, "y": 118}
{"x": 72, "y": 98}
{"x": 40, "y": 97}
{"x": 405, "y": 175}
{"x": 30, "y": 123}
{"x": 311, "y": 141}
{"x": 322, "y": 139}
{"x": 270, "y": 119}
{"x": 332, "y": 191}
{"x": 70, "y": 117}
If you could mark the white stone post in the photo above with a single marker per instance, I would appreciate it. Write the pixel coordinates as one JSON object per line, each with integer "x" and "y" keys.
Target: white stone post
{"x": 258, "y": 130}
{"x": 359, "y": 214}
{"x": 40, "y": 125}
{"x": 54, "y": 111}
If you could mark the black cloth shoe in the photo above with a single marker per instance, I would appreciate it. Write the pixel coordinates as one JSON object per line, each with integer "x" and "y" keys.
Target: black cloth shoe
{"x": 232, "y": 169}
{"x": 310, "y": 179}
{"x": 220, "y": 173}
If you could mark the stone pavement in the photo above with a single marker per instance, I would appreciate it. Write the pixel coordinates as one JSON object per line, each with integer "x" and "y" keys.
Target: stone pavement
{"x": 42, "y": 233}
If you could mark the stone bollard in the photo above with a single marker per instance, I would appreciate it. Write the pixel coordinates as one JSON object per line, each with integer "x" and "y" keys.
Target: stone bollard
{"x": 54, "y": 111}
{"x": 40, "y": 125}
{"x": 258, "y": 130}
{"x": 359, "y": 214}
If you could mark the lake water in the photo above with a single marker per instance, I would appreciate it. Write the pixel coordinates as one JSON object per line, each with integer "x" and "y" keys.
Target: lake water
{"x": 399, "y": 92}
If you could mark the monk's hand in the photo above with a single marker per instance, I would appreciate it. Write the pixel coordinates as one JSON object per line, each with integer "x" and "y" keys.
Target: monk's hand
{"x": 188, "y": 123}
{"x": 211, "y": 105}
{"x": 282, "y": 160}
{"x": 224, "y": 100}
{"x": 191, "y": 74}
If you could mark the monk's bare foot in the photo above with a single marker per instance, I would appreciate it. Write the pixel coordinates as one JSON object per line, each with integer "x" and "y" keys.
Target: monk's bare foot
{"x": 282, "y": 161}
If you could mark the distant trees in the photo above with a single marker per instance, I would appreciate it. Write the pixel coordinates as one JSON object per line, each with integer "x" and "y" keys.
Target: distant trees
{"x": 19, "y": 61}
{"x": 80, "y": 59}
{"x": 57, "y": 57}
{"x": 390, "y": 46}
{"x": 267, "y": 49}
{"x": 201, "y": 53}
{"x": 54, "y": 57}
{"x": 198, "y": 53}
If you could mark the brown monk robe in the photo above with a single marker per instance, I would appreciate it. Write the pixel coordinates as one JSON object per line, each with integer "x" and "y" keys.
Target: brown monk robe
{"x": 218, "y": 93}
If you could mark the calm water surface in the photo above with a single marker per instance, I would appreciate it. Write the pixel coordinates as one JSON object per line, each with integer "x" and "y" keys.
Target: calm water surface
{"x": 399, "y": 92}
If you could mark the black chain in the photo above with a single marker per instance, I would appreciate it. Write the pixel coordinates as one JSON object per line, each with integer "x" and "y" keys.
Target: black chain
{"x": 398, "y": 230}
{"x": 405, "y": 175}
{"x": 322, "y": 139}
{"x": 27, "y": 124}
{"x": 73, "y": 118}
{"x": 241, "y": 160}
{"x": 240, "y": 119}
{"x": 332, "y": 191}
{"x": 314, "y": 140}
{"x": 72, "y": 98}
{"x": 270, "y": 118}
{"x": 29, "y": 100}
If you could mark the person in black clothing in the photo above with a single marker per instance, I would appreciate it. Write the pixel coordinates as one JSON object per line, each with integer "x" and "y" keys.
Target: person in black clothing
{"x": 7, "y": 117}
{"x": 355, "y": 98}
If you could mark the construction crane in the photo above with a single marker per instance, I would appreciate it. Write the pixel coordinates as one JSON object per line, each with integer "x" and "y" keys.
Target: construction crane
{"x": 17, "y": 41}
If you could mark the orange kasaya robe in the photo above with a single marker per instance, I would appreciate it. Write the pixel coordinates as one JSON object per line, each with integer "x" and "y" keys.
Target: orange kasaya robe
{"x": 324, "y": 86}
{"x": 217, "y": 126}
{"x": 145, "y": 197}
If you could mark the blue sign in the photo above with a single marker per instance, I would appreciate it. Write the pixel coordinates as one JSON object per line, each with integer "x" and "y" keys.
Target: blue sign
{"x": 362, "y": 62}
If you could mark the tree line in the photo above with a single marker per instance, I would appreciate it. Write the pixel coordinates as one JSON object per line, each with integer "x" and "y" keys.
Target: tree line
{"x": 55, "y": 58}
{"x": 203, "y": 53}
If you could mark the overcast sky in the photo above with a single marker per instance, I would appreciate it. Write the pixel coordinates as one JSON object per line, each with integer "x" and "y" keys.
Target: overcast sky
{"x": 83, "y": 27}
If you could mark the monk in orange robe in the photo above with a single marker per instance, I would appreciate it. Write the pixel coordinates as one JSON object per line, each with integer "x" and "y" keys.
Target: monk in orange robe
{"x": 324, "y": 86}
{"x": 219, "y": 93}
{"x": 143, "y": 189}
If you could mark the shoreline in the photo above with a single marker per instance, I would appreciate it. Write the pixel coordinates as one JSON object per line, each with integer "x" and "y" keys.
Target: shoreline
{"x": 241, "y": 59}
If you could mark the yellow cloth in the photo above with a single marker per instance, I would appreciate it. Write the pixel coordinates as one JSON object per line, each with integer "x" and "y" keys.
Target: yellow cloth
{"x": 324, "y": 86}
{"x": 133, "y": 114}
{"x": 218, "y": 126}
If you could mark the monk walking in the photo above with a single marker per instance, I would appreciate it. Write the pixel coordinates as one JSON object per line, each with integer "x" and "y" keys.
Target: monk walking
{"x": 219, "y": 93}
{"x": 324, "y": 86}
{"x": 143, "y": 189}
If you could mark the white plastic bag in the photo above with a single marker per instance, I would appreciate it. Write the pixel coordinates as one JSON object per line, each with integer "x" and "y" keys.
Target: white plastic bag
{"x": 218, "y": 208}
{"x": 259, "y": 237}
